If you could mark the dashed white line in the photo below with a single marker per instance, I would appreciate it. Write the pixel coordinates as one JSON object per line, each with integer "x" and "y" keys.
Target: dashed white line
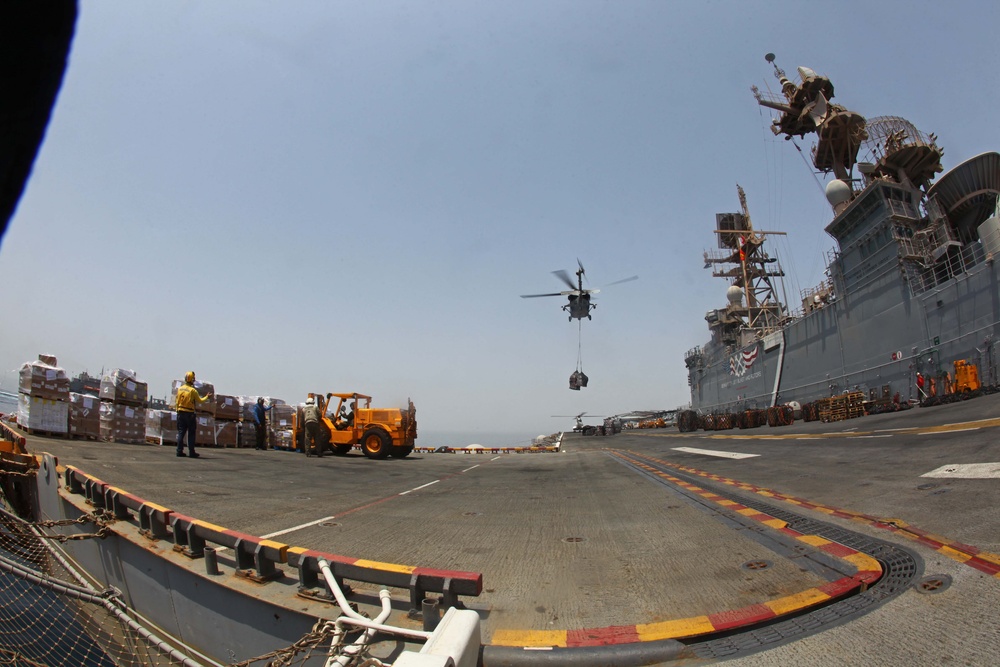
{"x": 468, "y": 469}
{"x": 954, "y": 430}
{"x": 712, "y": 452}
{"x": 300, "y": 527}
{"x": 422, "y": 486}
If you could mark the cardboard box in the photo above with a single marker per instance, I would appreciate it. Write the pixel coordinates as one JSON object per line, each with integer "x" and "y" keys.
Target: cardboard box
{"x": 42, "y": 414}
{"x": 44, "y": 380}
{"x": 121, "y": 422}
{"x": 226, "y": 407}
{"x": 161, "y": 427}
{"x": 122, "y": 386}
{"x": 280, "y": 416}
{"x": 84, "y": 416}
{"x": 226, "y": 433}
{"x": 205, "y": 432}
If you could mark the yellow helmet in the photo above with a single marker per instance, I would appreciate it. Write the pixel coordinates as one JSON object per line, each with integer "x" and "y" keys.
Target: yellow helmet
{"x": 189, "y": 376}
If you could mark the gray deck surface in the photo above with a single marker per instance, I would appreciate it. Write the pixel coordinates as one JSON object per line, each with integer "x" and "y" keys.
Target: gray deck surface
{"x": 577, "y": 539}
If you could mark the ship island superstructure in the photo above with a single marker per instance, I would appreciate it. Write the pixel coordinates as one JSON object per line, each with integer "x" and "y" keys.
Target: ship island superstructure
{"x": 910, "y": 288}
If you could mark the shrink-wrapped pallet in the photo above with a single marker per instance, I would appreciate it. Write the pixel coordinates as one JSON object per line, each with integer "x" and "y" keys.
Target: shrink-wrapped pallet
{"x": 226, "y": 433}
{"x": 122, "y": 386}
{"x": 226, "y": 407}
{"x": 121, "y": 422}
{"x": 84, "y": 416}
{"x": 42, "y": 414}
{"x": 44, "y": 379}
{"x": 205, "y": 432}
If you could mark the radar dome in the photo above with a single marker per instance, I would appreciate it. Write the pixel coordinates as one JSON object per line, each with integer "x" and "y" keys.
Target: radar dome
{"x": 838, "y": 192}
{"x": 735, "y": 295}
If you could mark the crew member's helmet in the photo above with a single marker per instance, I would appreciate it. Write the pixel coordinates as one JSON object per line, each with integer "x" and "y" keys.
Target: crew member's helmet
{"x": 189, "y": 377}
{"x": 260, "y": 400}
{"x": 310, "y": 401}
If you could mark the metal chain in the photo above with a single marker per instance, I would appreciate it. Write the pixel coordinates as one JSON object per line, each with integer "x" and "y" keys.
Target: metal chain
{"x": 99, "y": 517}
{"x": 282, "y": 657}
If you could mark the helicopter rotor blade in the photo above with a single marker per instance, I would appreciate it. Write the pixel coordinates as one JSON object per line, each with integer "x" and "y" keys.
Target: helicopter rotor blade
{"x": 563, "y": 276}
{"x": 623, "y": 280}
{"x": 532, "y": 296}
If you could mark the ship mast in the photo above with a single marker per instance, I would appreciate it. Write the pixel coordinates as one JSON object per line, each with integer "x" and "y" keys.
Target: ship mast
{"x": 753, "y": 304}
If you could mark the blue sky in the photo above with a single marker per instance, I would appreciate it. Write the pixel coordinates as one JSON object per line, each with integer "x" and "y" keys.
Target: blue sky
{"x": 294, "y": 197}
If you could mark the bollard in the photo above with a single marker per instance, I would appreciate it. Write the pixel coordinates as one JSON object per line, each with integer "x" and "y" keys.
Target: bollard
{"x": 431, "y": 612}
{"x": 211, "y": 561}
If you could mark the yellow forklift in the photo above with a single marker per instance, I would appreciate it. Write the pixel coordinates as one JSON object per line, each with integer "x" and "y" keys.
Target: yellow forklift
{"x": 348, "y": 420}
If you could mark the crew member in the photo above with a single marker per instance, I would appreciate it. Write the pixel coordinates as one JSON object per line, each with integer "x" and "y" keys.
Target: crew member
{"x": 259, "y": 414}
{"x": 187, "y": 422}
{"x": 310, "y": 416}
{"x": 346, "y": 420}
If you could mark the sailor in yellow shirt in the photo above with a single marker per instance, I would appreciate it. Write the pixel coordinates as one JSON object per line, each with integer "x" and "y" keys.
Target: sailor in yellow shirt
{"x": 187, "y": 398}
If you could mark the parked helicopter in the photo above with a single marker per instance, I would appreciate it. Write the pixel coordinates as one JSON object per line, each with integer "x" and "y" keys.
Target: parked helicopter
{"x": 579, "y": 420}
{"x": 579, "y": 305}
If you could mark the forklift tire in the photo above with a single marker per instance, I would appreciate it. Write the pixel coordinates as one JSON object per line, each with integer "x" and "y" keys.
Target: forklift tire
{"x": 341, "y": 450}
{"x": 400, "y": 452}
{"x": 375, "y": 443}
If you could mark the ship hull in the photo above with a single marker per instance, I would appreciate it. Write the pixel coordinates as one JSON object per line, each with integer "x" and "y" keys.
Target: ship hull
{"x": 874, "y": 341}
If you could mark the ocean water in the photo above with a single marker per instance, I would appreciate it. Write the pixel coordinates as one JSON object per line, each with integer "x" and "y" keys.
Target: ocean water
{"x": 8, "y": 405}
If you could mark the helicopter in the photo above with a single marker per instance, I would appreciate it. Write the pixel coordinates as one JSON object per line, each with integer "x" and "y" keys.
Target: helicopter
{"x": 579, "y": 421}
{"x": 579, "y": 305}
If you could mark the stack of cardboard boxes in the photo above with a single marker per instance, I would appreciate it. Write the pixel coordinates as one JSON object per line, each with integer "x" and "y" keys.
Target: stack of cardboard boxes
{"x": 227, "y": 415}
{"x": 43, "y": 396}
{"x": 281, "y": 426}
{"x": 123, "y": 407}
{"x": 84, "y": 416}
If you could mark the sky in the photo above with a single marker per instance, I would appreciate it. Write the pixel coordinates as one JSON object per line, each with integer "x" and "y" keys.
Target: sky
{"x": 351, "y": 196}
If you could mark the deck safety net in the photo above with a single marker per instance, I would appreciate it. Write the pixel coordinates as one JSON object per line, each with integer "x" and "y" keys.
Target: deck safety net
{"x": 51, "y": 615}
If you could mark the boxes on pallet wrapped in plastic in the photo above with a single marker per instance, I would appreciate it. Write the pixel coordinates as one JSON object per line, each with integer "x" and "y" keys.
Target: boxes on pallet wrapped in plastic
{"x": 161, "y": 427}
{"x": 42, "y": 414}
{"x": 281, "y": 416}
{"x": 282, "y": 439}
{"x": 122, "y": 386}
{"x": 44, "y": 379}
{"x": 166, "y": 426}
{"x": 226, "y": 433}
{"x": 121, "y": 422}
{"x": 204, "y": 433}
{"x": 84, "y": 416}
{"x": 204, "y": 388}
{"x": 226, "y": 407}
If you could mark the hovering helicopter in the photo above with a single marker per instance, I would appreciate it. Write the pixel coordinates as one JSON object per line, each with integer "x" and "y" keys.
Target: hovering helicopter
{"x": 579, "y": 305}
{"x": 579, "y": 421}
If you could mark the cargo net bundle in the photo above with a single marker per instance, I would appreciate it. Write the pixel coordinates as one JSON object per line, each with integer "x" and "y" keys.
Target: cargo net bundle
{"x": 51, "y": 616}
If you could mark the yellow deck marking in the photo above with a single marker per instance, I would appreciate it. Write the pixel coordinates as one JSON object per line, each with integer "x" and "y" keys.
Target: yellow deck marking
{"x": 391, "y": 567}
{"x": 529, "y": 638}
{"x": 790, "y": 603}
{"x": 681, "y": 627}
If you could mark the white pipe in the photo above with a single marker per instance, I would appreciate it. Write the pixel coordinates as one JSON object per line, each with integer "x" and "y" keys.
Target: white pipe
{"x": 350, "y": 653}
{"x": 345, "y": 607}
{"x": 354, "y": 618}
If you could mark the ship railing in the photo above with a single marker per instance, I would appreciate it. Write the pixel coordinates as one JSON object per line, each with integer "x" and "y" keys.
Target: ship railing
{"x": 258, "y": 558}
{"x": 926, "y": 276}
